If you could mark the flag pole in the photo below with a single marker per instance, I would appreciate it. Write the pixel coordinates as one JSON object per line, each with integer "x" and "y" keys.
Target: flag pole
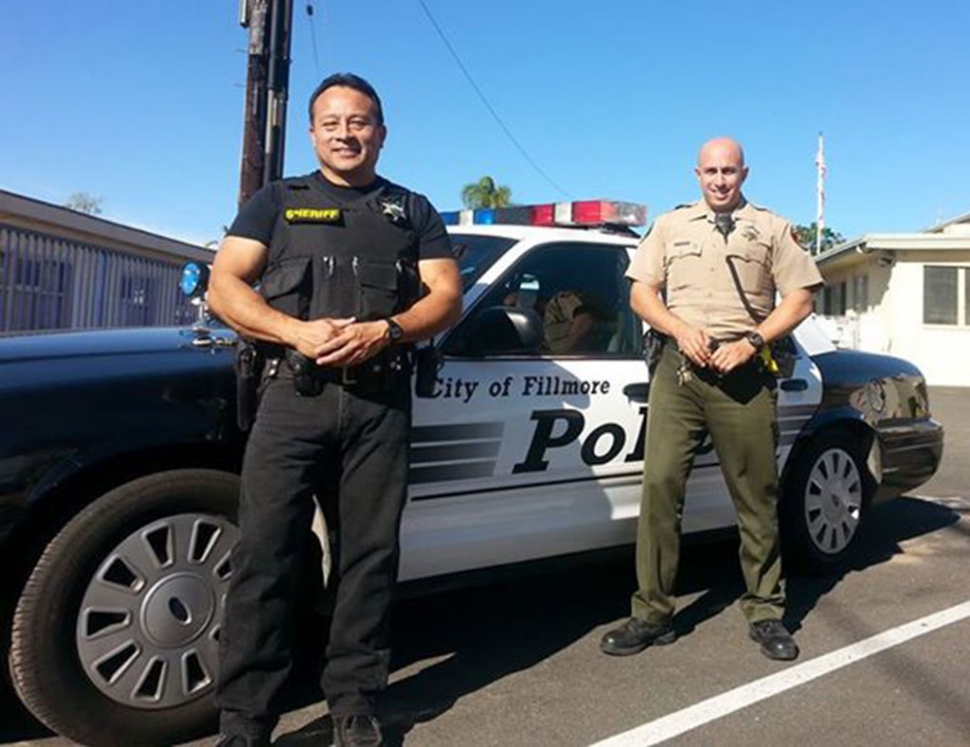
{"x": 820, "y": 189}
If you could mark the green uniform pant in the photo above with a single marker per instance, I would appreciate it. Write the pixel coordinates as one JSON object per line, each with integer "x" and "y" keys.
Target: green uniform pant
{"x": 738, "y": 411}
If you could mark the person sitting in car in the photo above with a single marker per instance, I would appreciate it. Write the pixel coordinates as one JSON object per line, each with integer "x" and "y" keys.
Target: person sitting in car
{"x": 576, "y": 322}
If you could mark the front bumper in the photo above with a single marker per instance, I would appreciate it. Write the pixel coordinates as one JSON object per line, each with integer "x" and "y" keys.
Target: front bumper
{"x": 908, "y": 455}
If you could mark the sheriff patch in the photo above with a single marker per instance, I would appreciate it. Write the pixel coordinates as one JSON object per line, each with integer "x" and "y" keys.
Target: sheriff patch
{"x": 313, "y": 215}
{"x": 751, "y": 233}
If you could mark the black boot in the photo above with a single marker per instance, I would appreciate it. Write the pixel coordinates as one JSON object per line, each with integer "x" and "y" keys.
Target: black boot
{"x": 359, "y": 730}
{"x": 776, "y": 642}
{"x": 635, "y": 635}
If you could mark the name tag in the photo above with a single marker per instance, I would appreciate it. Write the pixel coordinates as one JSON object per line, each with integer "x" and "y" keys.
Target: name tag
{"x": 312, "y": 215}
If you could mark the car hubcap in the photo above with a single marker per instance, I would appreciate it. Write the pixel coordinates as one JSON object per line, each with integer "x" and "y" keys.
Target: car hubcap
{"x": 833, "y": 501}
{"x": 147, "y": 633}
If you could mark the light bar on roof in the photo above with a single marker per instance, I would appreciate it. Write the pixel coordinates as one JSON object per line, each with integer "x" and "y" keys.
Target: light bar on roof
{"x": 584, "y": 213}
{"x": 606, "y": 211}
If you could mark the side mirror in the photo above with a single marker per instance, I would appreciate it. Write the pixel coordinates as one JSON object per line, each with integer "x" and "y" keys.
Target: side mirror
{"x": 500, "y": 330}
{"x": 194, "y": 279}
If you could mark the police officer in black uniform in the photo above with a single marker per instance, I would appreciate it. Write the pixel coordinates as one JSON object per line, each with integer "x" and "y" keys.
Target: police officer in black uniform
{"x": 350, "y": 269}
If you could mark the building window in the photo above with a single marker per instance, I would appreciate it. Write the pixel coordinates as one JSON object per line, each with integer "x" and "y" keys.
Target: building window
{"x": 940, "y": 295}
{"x": 966, "y": 295}
{"x": 42, "y": 286}
{"x": 833, "y": 299}
{"x": 137, "y": 301}
{"x": 860, "y": 293}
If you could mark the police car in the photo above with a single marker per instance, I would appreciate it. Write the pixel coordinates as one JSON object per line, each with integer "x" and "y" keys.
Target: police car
{"x": 119, "y": 458}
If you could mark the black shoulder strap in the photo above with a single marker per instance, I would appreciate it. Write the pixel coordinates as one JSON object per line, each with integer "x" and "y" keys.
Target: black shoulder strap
{"x": 296, "y": 182}
{"x": 741, "y": 294}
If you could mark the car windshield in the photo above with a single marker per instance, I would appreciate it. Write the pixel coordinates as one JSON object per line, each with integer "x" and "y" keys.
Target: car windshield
{"x": 476, "y": 254}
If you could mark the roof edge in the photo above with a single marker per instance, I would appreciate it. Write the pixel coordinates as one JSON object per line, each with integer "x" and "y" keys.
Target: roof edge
{"x": 13, "y": 206}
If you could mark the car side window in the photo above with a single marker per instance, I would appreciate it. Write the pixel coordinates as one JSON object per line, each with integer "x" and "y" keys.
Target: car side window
{"x": 568, "y": 299}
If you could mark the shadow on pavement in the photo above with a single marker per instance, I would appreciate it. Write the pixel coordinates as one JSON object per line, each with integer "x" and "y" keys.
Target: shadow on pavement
{"x": 885, "y": 528}
{"x": 481, "y": 634}
{"x": 477, "y": 636}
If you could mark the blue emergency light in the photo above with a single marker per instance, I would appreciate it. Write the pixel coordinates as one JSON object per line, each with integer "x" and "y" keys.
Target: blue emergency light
{"x": 194, "y": 279}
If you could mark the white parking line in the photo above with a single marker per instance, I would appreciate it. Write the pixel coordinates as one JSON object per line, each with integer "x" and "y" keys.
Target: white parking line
{"x": 675, "y": 724}
{"x": 956, "y": 503}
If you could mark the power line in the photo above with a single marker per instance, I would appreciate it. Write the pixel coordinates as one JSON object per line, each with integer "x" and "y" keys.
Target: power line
{"x": 313, "y": 36}
{"x": 485, "y": 101}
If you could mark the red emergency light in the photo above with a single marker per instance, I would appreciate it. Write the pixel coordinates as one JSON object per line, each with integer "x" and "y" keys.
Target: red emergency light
{"x": 584, "y": 213}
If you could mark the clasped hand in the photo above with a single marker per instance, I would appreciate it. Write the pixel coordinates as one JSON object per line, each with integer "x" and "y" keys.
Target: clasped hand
{"x": 341, "y": 342}
{"x": 696, "y": 345}
{"x": 731, "y": 355}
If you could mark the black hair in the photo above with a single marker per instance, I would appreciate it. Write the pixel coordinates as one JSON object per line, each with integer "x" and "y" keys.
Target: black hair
{"x": 347, "y": 80}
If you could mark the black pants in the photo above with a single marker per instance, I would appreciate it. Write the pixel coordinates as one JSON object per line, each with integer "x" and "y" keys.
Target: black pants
{"x": 352, "y": 448}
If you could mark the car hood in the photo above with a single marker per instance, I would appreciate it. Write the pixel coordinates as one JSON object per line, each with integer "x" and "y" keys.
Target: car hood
{"x": 880, "y": 389}
{"x": 91, "y": 343}
{"x": 107, "y": 359}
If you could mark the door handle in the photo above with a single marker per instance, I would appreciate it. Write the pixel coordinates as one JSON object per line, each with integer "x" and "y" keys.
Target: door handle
{"x": 794, "y": 385}
{"x": 638, "y": 392}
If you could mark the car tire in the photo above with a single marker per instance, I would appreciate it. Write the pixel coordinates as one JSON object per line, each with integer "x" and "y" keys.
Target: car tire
{"x": 824, "y": 502}
{"x": 115, "y": 634}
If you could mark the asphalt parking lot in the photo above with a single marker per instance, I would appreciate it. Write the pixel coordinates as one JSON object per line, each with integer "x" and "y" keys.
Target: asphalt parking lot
{"x": 884, "y": 648}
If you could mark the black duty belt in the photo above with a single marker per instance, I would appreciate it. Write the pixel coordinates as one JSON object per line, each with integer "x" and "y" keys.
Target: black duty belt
{"x": 713, "y": 345}
{"x": 383, "y": 373}
{"x": 754, "y": 364}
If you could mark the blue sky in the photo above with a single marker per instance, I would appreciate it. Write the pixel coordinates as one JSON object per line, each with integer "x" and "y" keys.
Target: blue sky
{"x": 139, "y": 102}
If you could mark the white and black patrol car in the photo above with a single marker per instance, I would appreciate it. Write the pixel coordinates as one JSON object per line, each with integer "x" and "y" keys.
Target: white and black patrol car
{"x": 119, "y": 457}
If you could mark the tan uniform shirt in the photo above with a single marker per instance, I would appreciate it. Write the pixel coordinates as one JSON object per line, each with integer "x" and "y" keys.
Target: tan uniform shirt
{"x": 685, "y": 254}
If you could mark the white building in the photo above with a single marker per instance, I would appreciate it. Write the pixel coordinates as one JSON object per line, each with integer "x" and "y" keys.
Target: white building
{"x": 906, "y": 294}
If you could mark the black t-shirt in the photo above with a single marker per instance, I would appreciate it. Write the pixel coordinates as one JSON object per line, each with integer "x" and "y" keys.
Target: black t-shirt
{"x": 257, "y": 216}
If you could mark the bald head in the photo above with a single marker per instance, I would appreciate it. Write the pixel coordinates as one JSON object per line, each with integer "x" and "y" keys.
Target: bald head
{"x": 720, "y": 148}
{"x": 721, "y": 172}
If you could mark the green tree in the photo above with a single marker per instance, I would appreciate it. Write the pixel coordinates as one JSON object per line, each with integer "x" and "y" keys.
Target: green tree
{"x": 83, "y": 202}
{"x": 485, "y": 193}
{"x": 806, "y": 236}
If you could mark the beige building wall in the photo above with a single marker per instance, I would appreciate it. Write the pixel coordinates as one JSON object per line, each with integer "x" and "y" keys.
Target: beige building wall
{"x": 883, "y": 307}
{"x": 942, "y": 351}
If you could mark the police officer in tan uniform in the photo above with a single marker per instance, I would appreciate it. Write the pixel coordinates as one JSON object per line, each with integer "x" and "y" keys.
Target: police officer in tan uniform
{"x": 706, "y": 276}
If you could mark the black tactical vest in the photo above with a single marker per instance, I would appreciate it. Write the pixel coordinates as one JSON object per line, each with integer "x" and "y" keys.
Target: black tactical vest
{"x": 328, "y": 258}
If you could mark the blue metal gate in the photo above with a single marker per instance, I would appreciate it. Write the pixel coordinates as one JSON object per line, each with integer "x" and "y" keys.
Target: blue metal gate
{"x": 48, "y": 282}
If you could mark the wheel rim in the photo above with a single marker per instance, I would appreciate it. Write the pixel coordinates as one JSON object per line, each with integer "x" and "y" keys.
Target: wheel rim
{"x": 148, "y": 629}
{"x": 833, "y": 501}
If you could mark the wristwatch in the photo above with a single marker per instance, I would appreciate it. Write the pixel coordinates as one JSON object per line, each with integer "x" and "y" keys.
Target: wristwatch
{"x": 395, "y": 331}
{"x": 756, "y": 340}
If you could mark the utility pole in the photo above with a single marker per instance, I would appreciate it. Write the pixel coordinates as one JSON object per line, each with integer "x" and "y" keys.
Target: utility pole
{"x": 278, "y": 84}
{"x": 267, "y": 80}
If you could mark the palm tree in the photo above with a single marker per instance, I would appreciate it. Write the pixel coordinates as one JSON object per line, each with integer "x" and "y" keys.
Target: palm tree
{"x": 806, "y": 236}
{"x": 485, "y": 194}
